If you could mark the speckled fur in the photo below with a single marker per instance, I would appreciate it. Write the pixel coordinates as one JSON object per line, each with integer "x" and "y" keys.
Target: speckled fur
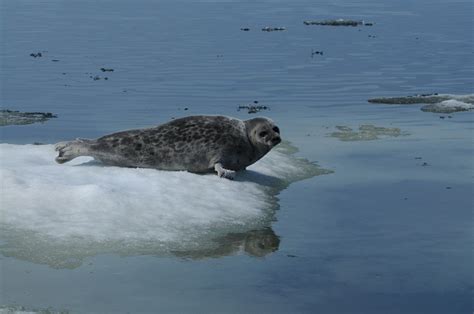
{"x": 195, "y": 144}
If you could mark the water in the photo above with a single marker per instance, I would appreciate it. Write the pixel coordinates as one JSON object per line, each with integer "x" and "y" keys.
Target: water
{"x": 382, "y": 234}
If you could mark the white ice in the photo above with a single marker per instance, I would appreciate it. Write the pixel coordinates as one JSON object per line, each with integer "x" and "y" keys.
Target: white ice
{"x": 83, "y": 199}
{"x": 455, "y": 103}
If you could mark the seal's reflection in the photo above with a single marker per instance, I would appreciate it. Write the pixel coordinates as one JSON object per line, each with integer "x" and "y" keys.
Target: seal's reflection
{"x": 257, "y": 243}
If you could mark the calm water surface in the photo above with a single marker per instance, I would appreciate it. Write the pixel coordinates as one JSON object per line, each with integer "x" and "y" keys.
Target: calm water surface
{"x": 382, "y": 234}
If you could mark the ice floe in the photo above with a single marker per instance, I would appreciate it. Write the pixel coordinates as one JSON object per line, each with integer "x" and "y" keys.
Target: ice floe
{"x": 58, "y": 214}
{"x": 448, "y": 106}
{"x": 438, "y": 103}
{"x": 13, "y": 117}
{"x": 366, "y": 132}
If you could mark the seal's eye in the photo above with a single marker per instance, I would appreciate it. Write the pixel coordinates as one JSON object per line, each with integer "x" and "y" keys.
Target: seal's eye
{"x": 276, "y": 129}
{"x": 263, "y": 134}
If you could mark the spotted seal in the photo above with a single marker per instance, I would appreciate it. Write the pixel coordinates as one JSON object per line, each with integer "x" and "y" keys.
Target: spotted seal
{"x": 196, "y": 144}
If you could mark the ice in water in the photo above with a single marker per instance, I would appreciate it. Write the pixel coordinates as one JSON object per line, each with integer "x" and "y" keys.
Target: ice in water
{"x": 89, "y": 208}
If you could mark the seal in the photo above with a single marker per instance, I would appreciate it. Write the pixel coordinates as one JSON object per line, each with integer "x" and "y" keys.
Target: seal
{"x": 196, "y": 144}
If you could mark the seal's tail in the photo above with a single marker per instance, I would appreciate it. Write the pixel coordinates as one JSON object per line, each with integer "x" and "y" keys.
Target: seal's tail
{"x": 72, "y": 149}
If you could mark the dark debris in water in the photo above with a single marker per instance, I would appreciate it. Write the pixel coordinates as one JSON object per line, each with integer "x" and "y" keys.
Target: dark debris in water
{"x": 12, "y": 117}
{"x": 339, "y": 22}
{"x": 253, "y": 108}
{"x": 97, "y": 78}
{"x": 36, "y": 55}
{"x": 316, "y": 52}
{"x": 273, "y": 29}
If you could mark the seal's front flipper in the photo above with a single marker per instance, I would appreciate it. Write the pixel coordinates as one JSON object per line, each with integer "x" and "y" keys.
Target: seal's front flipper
{"x": 70, "y": 150}
{"x": 224, "y": 173}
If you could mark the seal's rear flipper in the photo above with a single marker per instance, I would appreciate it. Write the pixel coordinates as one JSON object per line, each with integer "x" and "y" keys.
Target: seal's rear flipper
{"x": 224, "y": 173}
{"x": 70, "y": 150}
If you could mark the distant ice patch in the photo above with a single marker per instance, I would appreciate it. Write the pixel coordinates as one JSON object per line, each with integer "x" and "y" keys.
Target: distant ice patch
{"x": 57, "y": 214}
{"x": 13, "y": 117}
{"x": 438, "y": 103}
{"x": 18, "y": 309}
{"x": 448, "y": 106}
{"x": 366, "y": 132}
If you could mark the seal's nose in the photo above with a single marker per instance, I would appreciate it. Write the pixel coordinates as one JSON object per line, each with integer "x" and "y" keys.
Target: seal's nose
{"x": 276, "y": 140}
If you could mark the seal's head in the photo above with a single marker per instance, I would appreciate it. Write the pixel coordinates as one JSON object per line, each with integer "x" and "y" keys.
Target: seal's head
{"x": 263, "y": 134}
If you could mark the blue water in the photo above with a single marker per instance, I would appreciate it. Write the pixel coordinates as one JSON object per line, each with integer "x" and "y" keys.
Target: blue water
{"x": 383, "y": 234}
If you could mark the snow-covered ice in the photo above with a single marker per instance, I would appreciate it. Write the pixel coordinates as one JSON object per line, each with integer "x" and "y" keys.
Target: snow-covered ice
{"x": 85, "y": 204}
